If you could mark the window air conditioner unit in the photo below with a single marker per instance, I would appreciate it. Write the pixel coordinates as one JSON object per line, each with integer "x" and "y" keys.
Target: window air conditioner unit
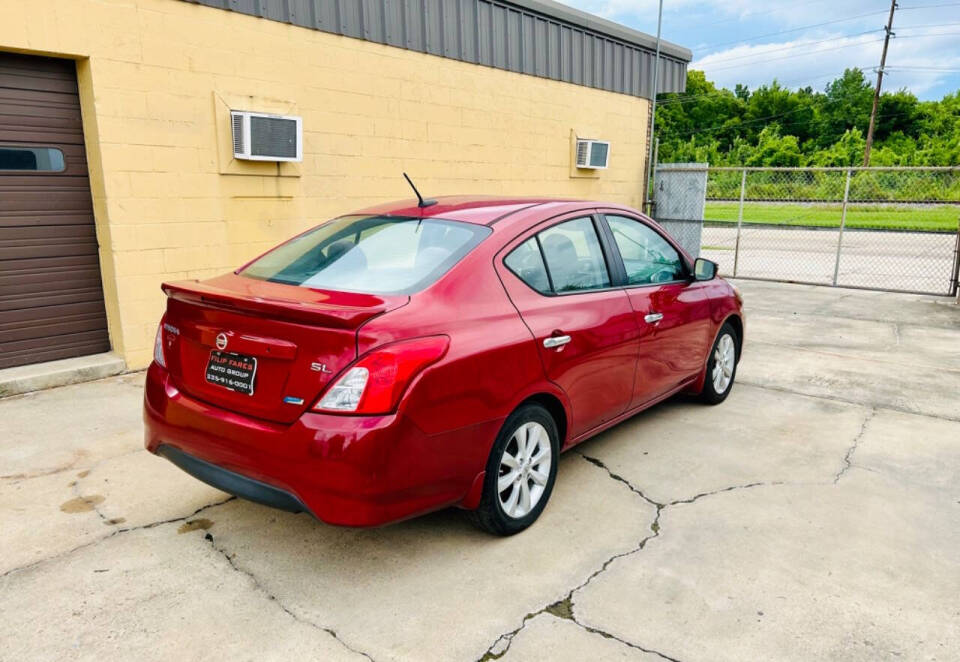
{"x": 592, "y": 154}
{"x": 263, "y": 137}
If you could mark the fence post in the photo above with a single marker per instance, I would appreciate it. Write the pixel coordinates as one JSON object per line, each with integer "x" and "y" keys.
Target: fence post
{"x": 843, "y": 223}
{"x": 736, "y": 249}
{"x": 955, "y": 279}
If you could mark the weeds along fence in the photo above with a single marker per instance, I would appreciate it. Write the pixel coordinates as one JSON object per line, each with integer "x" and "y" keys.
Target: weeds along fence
{"x": 873, "y": 228}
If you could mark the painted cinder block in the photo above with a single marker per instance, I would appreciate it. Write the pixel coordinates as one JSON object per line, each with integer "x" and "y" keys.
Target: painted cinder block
{"x": 150, "y": 76}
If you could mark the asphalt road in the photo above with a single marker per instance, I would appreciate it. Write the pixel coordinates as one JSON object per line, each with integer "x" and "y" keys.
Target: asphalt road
{"x": 917, "y": 261}
{"x": 813, "y": 515}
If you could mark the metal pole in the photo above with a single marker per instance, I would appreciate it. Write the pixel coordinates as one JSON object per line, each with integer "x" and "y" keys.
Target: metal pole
{"x": 743, "y": 191}
{"x": 876, "y": 92}
{"x": 955, "y": 280}
{"x": 651, "y": 199}
{"x": 653, "y": 110}
{"x": 843, "y": 223}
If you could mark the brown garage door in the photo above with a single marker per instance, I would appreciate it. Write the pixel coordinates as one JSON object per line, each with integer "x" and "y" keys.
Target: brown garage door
{"x": 51, "y": 298}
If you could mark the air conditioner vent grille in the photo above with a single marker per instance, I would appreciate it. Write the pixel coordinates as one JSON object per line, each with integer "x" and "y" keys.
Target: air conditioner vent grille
{"x": 237, "y": 121}
{"x": 270, "y": 136}
{"x": 583, "y": 151}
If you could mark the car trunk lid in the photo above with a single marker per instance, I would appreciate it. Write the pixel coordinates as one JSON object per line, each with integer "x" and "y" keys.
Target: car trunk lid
{"x": 293, "y": 339}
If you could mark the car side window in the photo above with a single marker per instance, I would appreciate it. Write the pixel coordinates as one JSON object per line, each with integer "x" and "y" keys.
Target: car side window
{"x": 526, "y": 262}
{"x": 647, "y": 256}
{"x": 574, "y": 256}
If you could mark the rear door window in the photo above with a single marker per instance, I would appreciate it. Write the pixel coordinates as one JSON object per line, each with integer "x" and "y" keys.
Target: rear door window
{"x": 574, "y": 257}
{"x": 370, "y": 254}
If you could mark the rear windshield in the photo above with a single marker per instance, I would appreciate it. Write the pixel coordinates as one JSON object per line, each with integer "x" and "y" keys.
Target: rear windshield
{"x": 370, "y": 254}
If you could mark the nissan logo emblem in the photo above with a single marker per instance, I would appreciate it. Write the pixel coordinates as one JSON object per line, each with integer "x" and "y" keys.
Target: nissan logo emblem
{"x": 221, "y": 341}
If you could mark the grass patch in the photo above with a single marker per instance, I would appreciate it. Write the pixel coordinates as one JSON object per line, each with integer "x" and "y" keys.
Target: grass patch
{"x": 885, "y": 217}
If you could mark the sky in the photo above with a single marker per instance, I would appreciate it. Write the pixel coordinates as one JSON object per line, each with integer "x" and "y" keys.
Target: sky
{"x": 805, "y": 42}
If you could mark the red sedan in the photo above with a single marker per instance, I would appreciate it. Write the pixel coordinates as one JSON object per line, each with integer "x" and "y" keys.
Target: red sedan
{"x": 411, "y": 357}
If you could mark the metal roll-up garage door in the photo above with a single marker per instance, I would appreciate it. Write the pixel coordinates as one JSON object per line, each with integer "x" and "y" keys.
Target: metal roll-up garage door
{"x": 51, "y": 297}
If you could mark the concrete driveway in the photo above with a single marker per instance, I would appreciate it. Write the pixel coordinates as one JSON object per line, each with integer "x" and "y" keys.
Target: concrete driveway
{"x": 814, "y": 515}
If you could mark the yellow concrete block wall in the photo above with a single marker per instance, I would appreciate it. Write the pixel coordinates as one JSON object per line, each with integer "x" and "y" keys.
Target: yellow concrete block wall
{"x": 151, "y": 73}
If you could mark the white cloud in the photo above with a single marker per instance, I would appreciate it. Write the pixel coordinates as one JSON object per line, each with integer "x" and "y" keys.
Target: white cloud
{"x": 816, "y": 60}
{"x": 743, "y": 41}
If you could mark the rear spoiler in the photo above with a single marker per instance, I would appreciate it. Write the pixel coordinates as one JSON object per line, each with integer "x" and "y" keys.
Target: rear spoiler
{"x": 331, "y": 309}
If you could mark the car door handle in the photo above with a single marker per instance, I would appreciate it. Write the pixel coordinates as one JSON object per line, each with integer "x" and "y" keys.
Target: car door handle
{"x": 652, "y": 318}
{"x": 555, "y": 341}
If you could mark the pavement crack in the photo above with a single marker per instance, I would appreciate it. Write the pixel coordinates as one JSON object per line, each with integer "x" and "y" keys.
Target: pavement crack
{"x": 696, "y": 497}
{"x": 115, "y": 532}
{"x": 617, "y": 477}
{"x": 258, "y": 585}
{"x": 848, "y": 401}
{"x": 563, "y": 608}
{"x": 607, "y": 635}
{"x": 848, "y": 457}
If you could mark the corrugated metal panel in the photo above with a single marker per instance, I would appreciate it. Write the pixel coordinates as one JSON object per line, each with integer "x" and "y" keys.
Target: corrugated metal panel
{"x": 529, "y": 36}
{"x": 51, "y": 299}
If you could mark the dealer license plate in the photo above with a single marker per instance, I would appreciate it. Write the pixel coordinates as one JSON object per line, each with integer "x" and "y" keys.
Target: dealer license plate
{"x": 233, "y": 371}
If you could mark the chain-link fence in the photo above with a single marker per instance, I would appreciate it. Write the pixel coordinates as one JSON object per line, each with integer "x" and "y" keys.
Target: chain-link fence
{"x": 874, "y": 228}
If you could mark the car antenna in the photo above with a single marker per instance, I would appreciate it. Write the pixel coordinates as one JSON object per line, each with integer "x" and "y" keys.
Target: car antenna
{"x": 423, "y": 203}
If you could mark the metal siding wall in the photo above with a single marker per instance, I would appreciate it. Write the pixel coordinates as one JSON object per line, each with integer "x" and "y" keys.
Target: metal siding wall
{"x": 488, "y": 32}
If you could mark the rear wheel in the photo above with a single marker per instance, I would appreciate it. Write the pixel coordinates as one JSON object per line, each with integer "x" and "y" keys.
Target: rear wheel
{"x": 721, "y": 366}
{"x": 520, "y": 472}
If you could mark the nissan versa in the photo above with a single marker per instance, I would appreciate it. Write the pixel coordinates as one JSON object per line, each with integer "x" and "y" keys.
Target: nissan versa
{"x": 415, "y": 356}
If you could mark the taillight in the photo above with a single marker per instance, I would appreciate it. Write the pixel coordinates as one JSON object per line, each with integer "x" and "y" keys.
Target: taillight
{"x": 374, "y": 384}
{"x": 158, "y": 347}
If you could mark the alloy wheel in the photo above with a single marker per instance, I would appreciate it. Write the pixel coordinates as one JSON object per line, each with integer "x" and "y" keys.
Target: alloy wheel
{"x": 724, "y": 361}
{"x": 524, "y": 470}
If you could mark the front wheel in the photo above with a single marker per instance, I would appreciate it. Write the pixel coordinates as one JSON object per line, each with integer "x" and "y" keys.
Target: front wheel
{"x": 721, "y": 366}
{"x": 520, "y": 472}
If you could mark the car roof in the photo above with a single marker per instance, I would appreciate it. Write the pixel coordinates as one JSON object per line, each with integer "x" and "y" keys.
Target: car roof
{"x": 486, "y": 210}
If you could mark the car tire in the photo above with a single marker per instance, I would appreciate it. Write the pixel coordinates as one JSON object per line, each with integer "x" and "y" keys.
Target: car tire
{"x": 528, "y": 436}
{"x": 718, "y": 383}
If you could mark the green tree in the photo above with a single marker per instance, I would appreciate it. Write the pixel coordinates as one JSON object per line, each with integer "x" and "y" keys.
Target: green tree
{"x": 776, "y": 126}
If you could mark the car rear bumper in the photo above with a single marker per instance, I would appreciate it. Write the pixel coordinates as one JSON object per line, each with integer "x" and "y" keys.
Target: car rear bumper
{"x": 345, "y": 470}
{"x": 232, "y": 482}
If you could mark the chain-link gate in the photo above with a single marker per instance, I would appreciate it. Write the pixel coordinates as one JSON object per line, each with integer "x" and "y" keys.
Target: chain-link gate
{"x": 873, "y": 228}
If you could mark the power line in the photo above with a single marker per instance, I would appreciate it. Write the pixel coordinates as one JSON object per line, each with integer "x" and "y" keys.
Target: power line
{"x": 818, "y": 25}
{"x": 843, "y": 36}
{"x": 798, "y": 45}
{"x": 762, "y": 57}
{"x": 723, "y": 92}
{"x": 820, "y": 120}
{"x": 926, "y": 25}
{"x": 788, "y": 57}
{"x": 906, "y": 68}
{"x": 947, "y": 4}
{"x": 762, "y": 13}
{"x": 803, "y": 27}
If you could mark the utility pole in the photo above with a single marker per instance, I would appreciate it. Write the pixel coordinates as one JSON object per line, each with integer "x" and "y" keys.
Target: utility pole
{"x": 876, "y": 92}
{"x": 653, "y": 110}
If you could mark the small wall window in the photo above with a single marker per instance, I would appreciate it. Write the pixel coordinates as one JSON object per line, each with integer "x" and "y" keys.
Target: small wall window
{"x": 31, "y": 159}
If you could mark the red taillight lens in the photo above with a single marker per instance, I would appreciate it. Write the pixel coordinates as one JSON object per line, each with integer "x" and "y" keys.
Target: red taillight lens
{"x": 158, "y": 346}
{"x": 375, "y": 383}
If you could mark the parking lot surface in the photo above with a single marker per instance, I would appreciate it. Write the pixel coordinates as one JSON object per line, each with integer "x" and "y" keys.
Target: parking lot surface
{"x": 813, "y": 515}
{"x": 882, "y": 259}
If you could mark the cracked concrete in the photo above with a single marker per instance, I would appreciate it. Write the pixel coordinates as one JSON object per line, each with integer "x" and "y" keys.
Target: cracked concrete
{"x": 814, "y": 515}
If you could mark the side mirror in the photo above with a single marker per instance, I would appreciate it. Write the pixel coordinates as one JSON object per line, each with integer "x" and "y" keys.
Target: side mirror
{"x": 704, "y": 269}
